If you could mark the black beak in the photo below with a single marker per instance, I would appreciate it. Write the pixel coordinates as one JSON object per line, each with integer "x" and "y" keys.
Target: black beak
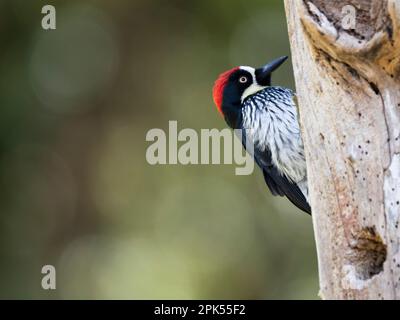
{"x": 263, "y": 74}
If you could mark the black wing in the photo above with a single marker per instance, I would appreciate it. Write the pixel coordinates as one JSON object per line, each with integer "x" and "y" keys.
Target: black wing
{"x": 277, "y": 183}
{"x": 283, "y": 187}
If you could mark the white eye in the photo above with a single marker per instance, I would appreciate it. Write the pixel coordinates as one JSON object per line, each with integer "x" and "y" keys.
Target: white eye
{"x": 243, "y": 79}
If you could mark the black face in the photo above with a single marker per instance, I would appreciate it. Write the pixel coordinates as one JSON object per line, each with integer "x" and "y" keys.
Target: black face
{"x": 238, "y": 82}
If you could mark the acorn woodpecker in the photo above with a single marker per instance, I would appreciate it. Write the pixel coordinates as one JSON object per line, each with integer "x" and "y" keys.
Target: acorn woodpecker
{"x": 267, "y": 116}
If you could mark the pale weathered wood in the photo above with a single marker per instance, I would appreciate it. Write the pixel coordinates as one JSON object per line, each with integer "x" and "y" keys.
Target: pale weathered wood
{"x": 348, "y": 86}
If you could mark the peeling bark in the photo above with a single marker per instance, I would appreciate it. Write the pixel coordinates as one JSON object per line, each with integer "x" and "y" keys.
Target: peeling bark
{"x": 348, "y": 86}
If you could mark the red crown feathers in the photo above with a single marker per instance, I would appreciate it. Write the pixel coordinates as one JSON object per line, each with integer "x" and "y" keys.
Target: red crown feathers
{"x": 219, "y": 87}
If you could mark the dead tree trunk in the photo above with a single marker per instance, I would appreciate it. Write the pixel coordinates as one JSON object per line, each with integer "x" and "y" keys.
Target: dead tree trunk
{"x": 348, "y": 86}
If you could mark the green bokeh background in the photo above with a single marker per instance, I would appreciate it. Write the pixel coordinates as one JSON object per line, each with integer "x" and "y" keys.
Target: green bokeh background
{"x": 76, "y": 190}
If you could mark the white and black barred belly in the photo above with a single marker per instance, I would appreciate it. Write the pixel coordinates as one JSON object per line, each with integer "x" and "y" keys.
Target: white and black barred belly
{"x": 270, "y": 120}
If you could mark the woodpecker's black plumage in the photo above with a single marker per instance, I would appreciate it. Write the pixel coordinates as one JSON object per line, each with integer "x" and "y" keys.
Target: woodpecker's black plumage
{"x": 267, "y": 116}
{"x": 277, "y": 183}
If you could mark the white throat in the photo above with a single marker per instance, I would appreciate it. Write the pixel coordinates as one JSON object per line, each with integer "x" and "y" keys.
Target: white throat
{"x": 254, "y": 88}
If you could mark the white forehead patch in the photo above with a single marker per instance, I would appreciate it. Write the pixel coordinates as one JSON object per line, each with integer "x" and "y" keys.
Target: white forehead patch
{"x": 251, "y": 70}
{"x": 254, "y": 87}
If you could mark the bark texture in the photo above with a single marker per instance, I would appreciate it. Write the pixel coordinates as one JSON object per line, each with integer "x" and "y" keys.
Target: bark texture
{"x": 348, "y": 86}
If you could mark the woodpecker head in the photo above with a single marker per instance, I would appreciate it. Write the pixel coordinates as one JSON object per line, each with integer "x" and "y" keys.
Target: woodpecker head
{"x": 234, "y": 86}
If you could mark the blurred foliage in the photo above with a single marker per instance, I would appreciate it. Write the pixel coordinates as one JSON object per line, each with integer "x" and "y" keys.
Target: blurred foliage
{"x": 76, "y": 190}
